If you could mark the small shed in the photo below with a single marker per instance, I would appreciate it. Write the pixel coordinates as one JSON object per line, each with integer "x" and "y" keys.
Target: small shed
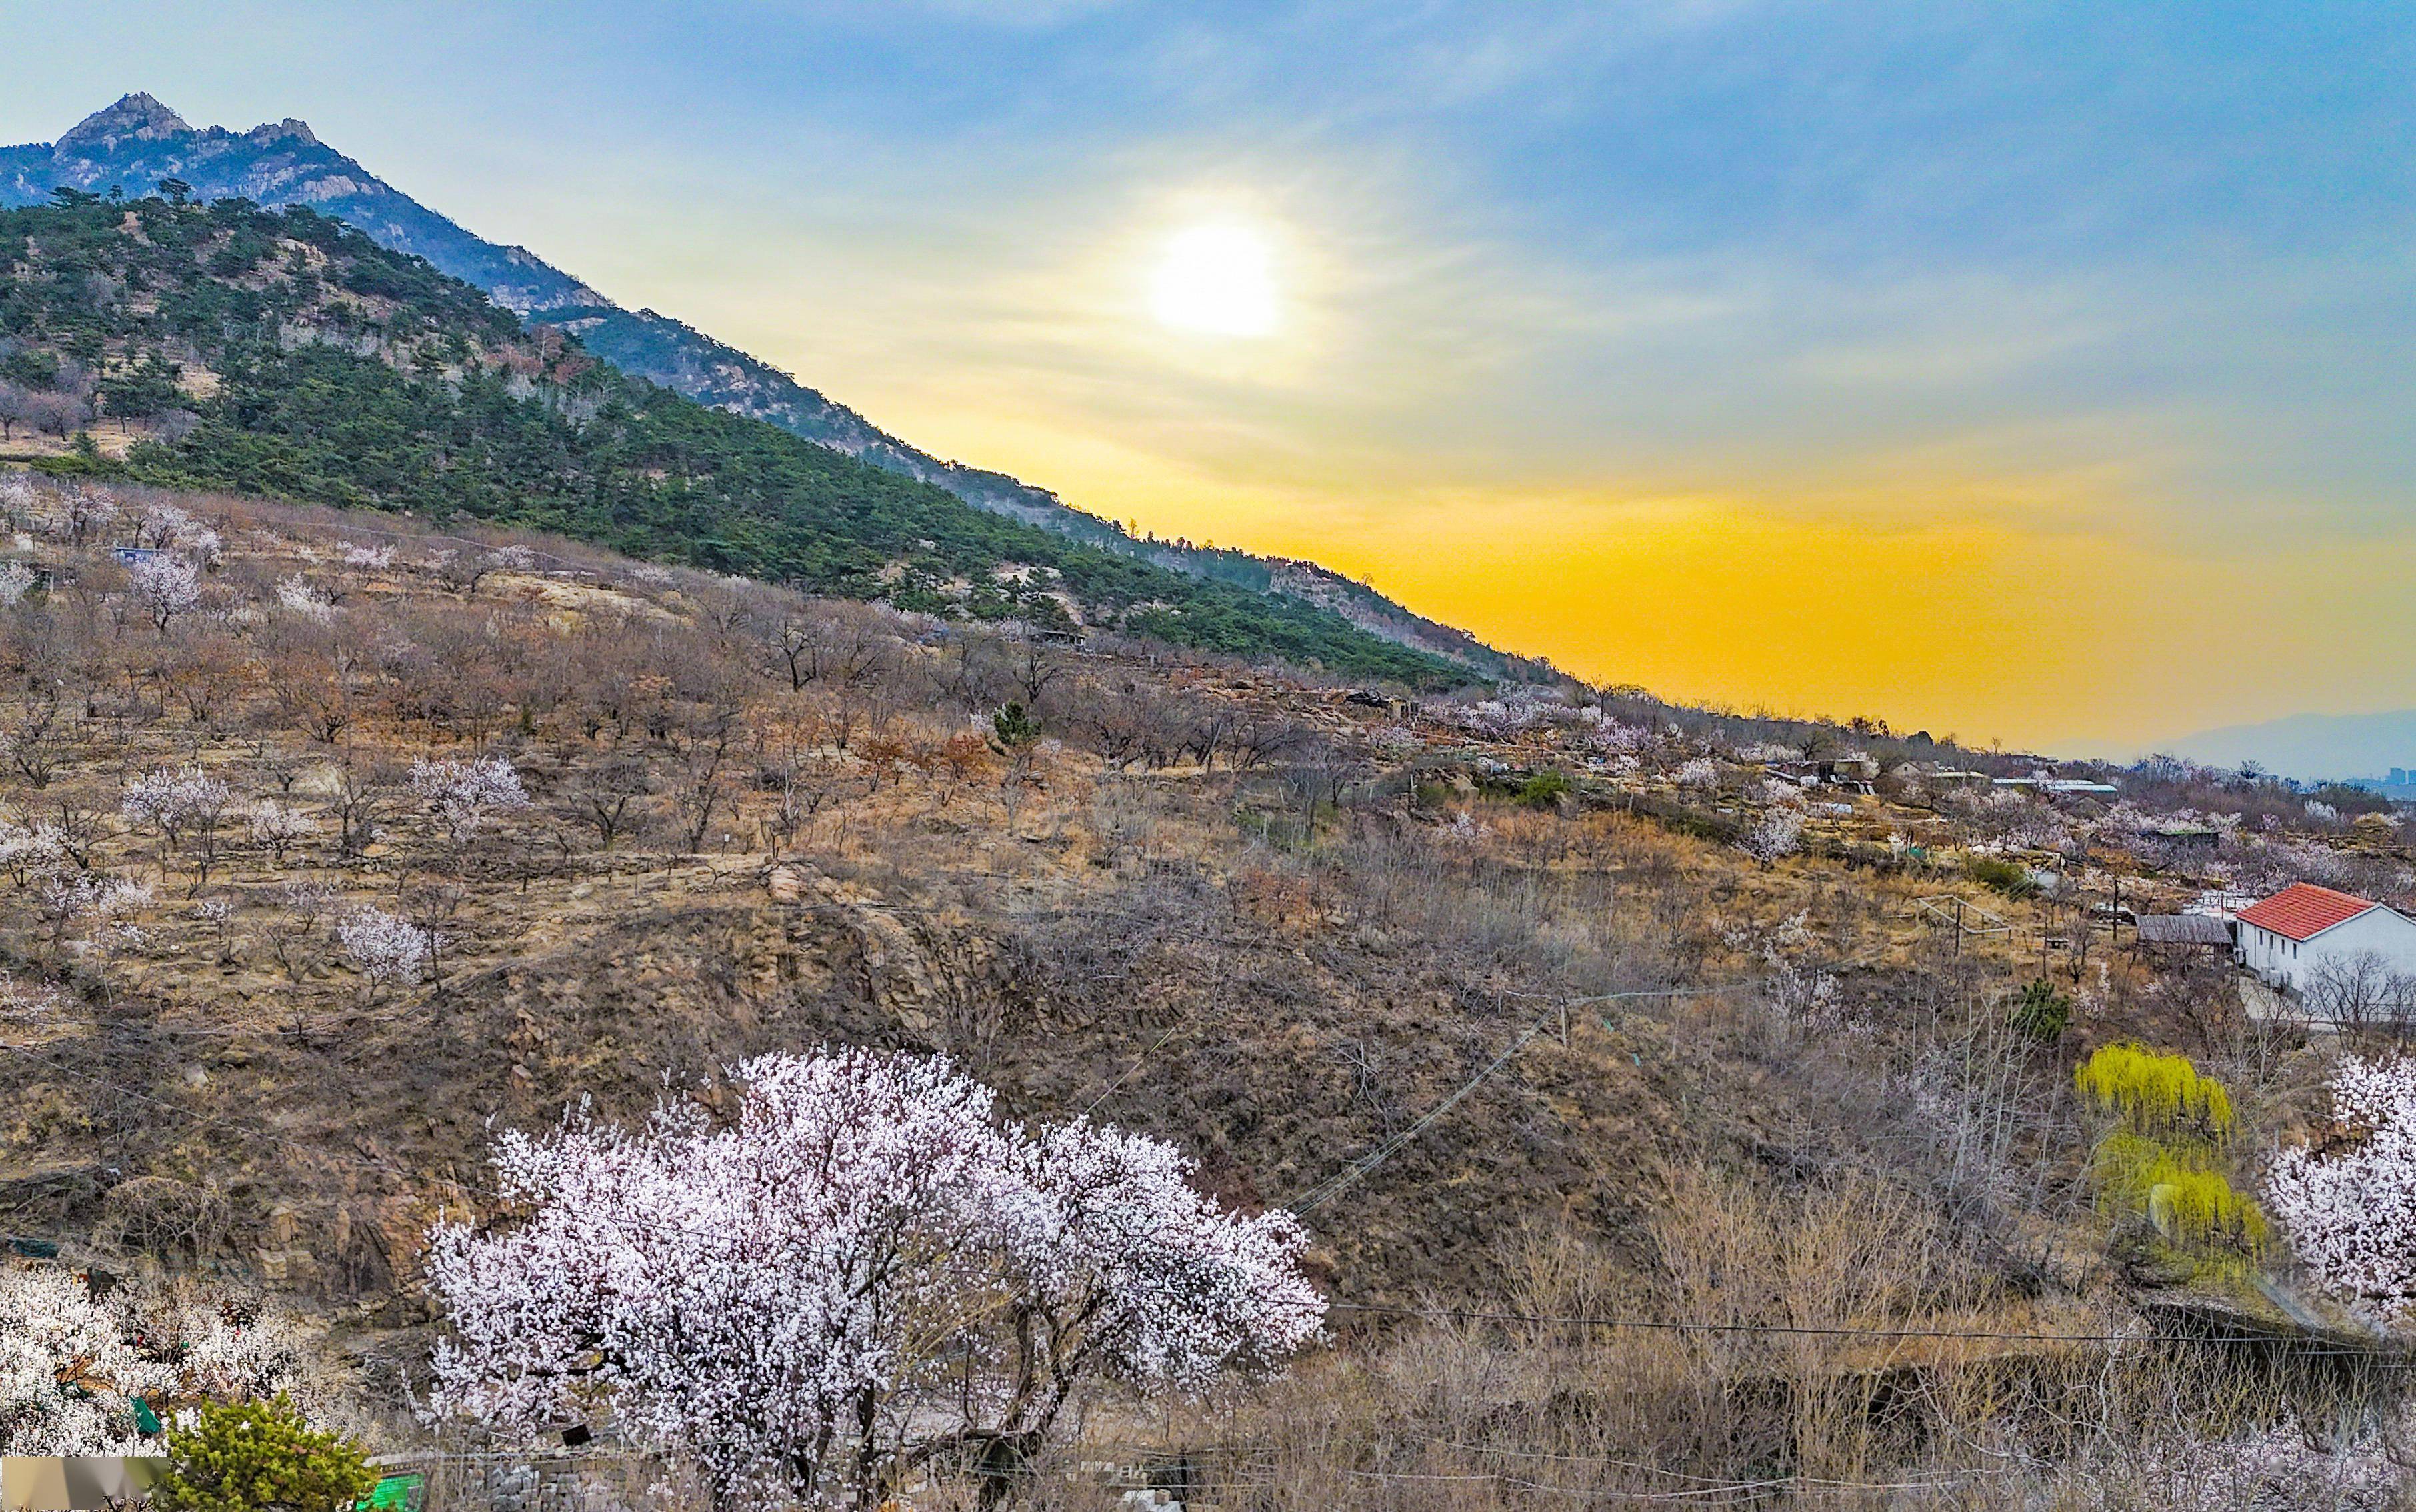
{"x": 2185, "y": 931}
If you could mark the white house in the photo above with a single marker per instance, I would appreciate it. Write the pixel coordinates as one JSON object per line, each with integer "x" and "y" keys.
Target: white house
{"x": 2285, "y": 939}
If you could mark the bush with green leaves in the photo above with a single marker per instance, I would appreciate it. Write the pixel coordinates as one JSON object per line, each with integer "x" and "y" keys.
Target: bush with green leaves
{"x": 2011, "y": 878}
{"x": 259, "y": 1457}
{"x": 1014, "y": 730}
{"x": 1546, "y": 789}
{"x": 2042, "y": 1014}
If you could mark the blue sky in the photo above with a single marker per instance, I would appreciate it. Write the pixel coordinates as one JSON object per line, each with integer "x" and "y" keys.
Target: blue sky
{"x": 1970, "y": 364}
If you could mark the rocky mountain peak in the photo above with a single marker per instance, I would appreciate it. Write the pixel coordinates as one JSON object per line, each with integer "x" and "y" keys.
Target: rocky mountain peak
{"x": 288, "y": 130}
{"x": 136, "y": 117}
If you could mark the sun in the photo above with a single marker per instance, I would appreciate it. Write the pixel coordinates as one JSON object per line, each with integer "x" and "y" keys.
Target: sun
{"x": 1215, "y": 279}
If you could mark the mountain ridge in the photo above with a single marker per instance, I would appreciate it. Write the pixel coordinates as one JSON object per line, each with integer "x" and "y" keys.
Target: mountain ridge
{"x": 2310, "y": 747}
{"x": 139, "y": 140}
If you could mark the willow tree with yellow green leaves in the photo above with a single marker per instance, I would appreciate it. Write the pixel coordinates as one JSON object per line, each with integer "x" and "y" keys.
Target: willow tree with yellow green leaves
{"x": 2163, "y": 1156}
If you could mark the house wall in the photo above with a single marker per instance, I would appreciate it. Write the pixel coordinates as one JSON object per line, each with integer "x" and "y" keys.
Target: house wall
{"x": 2285, "y": 962}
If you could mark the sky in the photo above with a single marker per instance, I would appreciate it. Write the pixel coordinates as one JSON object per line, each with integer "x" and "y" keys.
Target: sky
{"x": 2031, "y": 372}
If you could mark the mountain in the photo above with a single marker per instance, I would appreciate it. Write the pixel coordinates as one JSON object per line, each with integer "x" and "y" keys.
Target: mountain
{"x": 138, "y": 142}
{"x": 283, "y": 354}
{"x": 2312, "y": 746}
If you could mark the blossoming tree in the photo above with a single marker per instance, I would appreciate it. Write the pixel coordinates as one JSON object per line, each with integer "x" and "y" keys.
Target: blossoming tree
{"x": 383, "y": 947}
{"x": 182, "y": 802}
{"x": 166, "y": 586}
{"x": 72, "y": 1366}
{"x": 2350, "y": 1204}
{"x": 865, "y": 1270}
{"x": 461, "y": 793}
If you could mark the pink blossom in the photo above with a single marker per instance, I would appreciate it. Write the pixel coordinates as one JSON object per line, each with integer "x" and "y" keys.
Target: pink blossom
{"x": 460, "y": 793}
{"x": 166, "y": 586}
{"x": 865, "y": 1265}
{"x": 2351, "y": 1212}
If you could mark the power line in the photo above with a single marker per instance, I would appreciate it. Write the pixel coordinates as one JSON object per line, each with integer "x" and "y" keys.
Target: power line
{"x": 1843, "y": 1330}
{"x": 1334, "y": 1185}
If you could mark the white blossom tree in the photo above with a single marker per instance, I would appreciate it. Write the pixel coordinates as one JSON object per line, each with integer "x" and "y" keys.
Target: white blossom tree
{"x": 1779, "y": 832}
{"x": 298, "y": 596}
{"x": 459, "y": 794}
{"x": 2348, "y": 1203}
{"x": 30, "y": 852}
{"x": 71, "y": 1365}
{"x": 277, "y": 826}
{"x": 102, "y": 909}
{"x": 182, "y": 802}
{"x": 84, "y": 514}
{"x": 165, "y": 587}
{"x": 383, "y": 947}
{"x": 161, "y": 525}
{"x": 16, "y": 581}
{"x": 865, "y": 1270}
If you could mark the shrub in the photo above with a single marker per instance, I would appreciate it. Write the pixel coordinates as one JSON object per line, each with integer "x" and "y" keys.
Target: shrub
{"x": 1545, "y": 790}
{"x": 2043, "y": 1014}
{"x": 2008, "y": 877}
{"x": 1013, "y": 728}
{"x": 259, "y": 1457}
{"x": 2187, "y": 1203}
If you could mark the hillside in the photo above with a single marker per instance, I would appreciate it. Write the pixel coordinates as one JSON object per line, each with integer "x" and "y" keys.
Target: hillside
{"x": 1541, "y": 1012}
{"x": 285, "y": 352}
{"x": 134, "y": 143}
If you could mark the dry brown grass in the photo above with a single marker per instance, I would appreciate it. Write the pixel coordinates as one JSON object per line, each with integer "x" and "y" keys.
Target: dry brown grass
{"x": 1278, "y": 971}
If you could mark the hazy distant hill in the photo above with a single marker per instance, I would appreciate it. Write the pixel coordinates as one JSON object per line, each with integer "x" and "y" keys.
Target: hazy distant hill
{"x": 2311, "y": 746}
{"x": 139, "y": 140}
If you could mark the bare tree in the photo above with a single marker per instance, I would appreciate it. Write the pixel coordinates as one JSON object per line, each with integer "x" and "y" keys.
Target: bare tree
{"x": 34, "y": 736}
{"x": 697, "y": 788}
{"x": 297, "y": 933}
{"x": 2362, "y": 997}
{"x": 57, "y": 413}
{"x": 605, "y": 796}
{"x": 1260, "y": 737}
{"x": 363, "y": 786}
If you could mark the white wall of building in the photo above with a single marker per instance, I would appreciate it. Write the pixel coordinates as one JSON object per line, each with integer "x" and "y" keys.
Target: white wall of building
{"x": 2292, "y": 963}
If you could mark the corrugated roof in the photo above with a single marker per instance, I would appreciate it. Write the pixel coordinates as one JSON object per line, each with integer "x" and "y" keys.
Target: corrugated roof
{"x": 2183, "y": 928}
{"x": 2302, "y": 911}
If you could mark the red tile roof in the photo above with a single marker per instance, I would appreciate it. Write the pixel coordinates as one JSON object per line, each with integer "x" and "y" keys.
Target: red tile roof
{"x": 2302, "y": 911}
